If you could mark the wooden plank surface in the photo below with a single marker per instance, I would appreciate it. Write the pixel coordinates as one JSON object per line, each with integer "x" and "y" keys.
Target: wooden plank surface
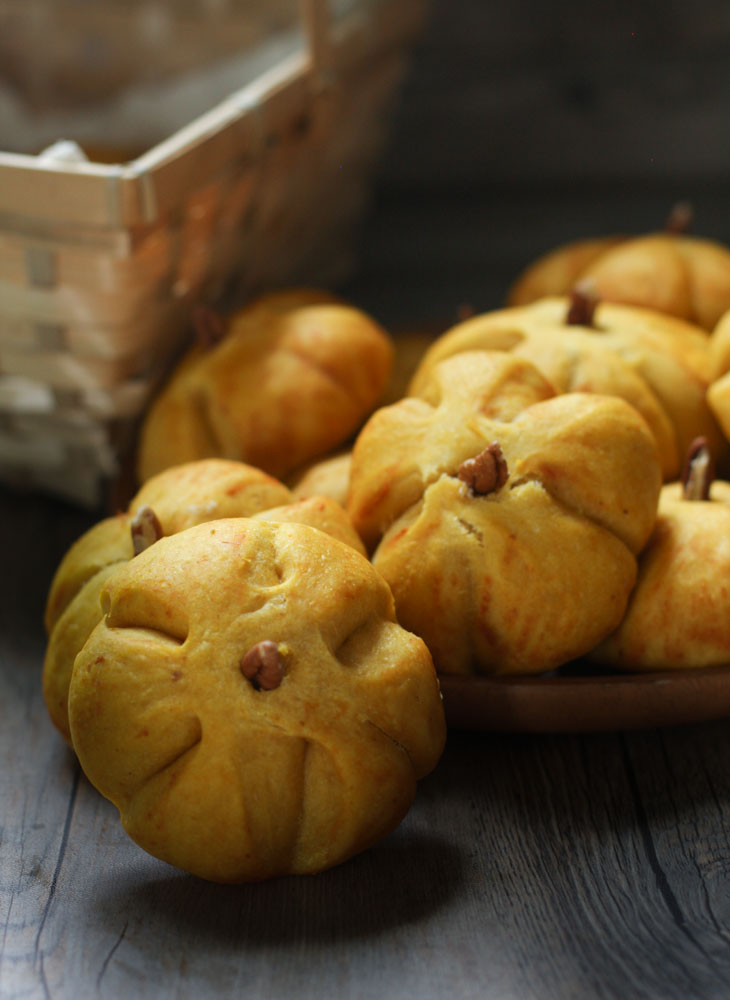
{"x": 543, "y": 867}
{"x": 529, "y": 866}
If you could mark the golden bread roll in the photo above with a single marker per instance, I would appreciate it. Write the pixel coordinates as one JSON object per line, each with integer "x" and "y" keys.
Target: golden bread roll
{"x": 679, "y": 612}
{"x": 180, "y": 497}
{"x": 674, "y": 273}
{"x": 559, "y": 270}
{"x": 718, "y": 392}
{"x": 250, "y": 704}
{"x": 506, "y": 519}
{"x": 329, "y": 477}
{"x": 290, "y": 380}
{"x": 720, "y": 346}
{"x": 661, "y": 365}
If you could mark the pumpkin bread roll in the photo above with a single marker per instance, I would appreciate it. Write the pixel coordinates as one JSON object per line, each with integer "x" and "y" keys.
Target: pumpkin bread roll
{"x": 661, "y": 365}
{"x": 672, "y": 272}
{"x": 329, "y": 477}
{"x": 506, "y": 519}
{"x": 679, "y": 612}
{"x": 250, "y": 704}
{"x": 718, "y": 392}
{"x": 176, "y": 499}
{"x": 284, "y": 381}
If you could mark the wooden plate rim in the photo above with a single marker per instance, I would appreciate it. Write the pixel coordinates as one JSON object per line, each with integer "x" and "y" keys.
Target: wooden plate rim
{"x": 598, "y": 703}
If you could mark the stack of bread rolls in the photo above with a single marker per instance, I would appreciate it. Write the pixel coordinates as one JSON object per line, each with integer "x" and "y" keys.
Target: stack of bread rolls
{"x": 246, "y": 661}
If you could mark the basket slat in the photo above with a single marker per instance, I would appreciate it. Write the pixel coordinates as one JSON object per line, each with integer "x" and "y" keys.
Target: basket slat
{"x": 317, "y": 27}
{"x": 101, "y": 264}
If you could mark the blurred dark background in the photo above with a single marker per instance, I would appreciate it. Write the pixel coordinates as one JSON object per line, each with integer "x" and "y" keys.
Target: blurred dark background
{"x": 522, "y": 125}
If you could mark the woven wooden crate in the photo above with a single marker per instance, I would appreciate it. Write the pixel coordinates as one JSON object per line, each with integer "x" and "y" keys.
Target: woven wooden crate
{"x": 101, "y": 263}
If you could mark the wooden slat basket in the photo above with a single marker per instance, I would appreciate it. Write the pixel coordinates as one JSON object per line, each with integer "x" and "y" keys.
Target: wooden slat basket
{"x": 102, "y": 262}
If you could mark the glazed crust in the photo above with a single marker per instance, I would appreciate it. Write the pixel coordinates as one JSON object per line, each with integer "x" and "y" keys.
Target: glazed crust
{"x": 683, "y": 276}
{"x": 718, "y": 392}
{"x": 679, "y": 613}
{"x": 233, "y": 783}
{"x": 330, "y": 477}
{"x": 289, "y": 382}
{"x": 661, "y": 365}
{"x": 181, "y": 497}
{"x": 557, "y": 271}
{"x": 539, "y": 569}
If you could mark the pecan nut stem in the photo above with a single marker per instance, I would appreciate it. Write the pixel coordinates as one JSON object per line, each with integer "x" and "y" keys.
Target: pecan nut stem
{"x": 583, "y": 302}
{"x": 209, "y": 326}
{"x": 263, "y": 666}
{"x": 487, "y": 472}
{"x": 146, "y": 529}
{"x": 698, "y": 472}
{"x": 680, "y": 218}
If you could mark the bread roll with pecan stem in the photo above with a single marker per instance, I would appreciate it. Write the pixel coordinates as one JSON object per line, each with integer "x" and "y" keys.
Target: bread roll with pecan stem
{"x": 250, "y": 704}
{"x": 176, "y": 499}
{"x": 678, "y": 616}
{"x": 506, "y": 519}
{"x": 661, "y": 365}
{"x": 672, "y": 272}
{"x": 329, "y": 477}
{"x": 284, "y": 381}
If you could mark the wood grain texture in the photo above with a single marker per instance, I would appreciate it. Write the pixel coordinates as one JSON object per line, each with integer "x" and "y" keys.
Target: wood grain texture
{"x": 529, "y": 867}
{"x": 585, "y": 700}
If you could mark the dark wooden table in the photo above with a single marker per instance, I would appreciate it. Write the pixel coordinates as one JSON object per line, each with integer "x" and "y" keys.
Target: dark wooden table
{"x": 530, "y": 866}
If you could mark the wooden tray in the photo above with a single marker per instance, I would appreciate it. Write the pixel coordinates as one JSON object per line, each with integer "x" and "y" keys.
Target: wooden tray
{"x": 582, "y": 704}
